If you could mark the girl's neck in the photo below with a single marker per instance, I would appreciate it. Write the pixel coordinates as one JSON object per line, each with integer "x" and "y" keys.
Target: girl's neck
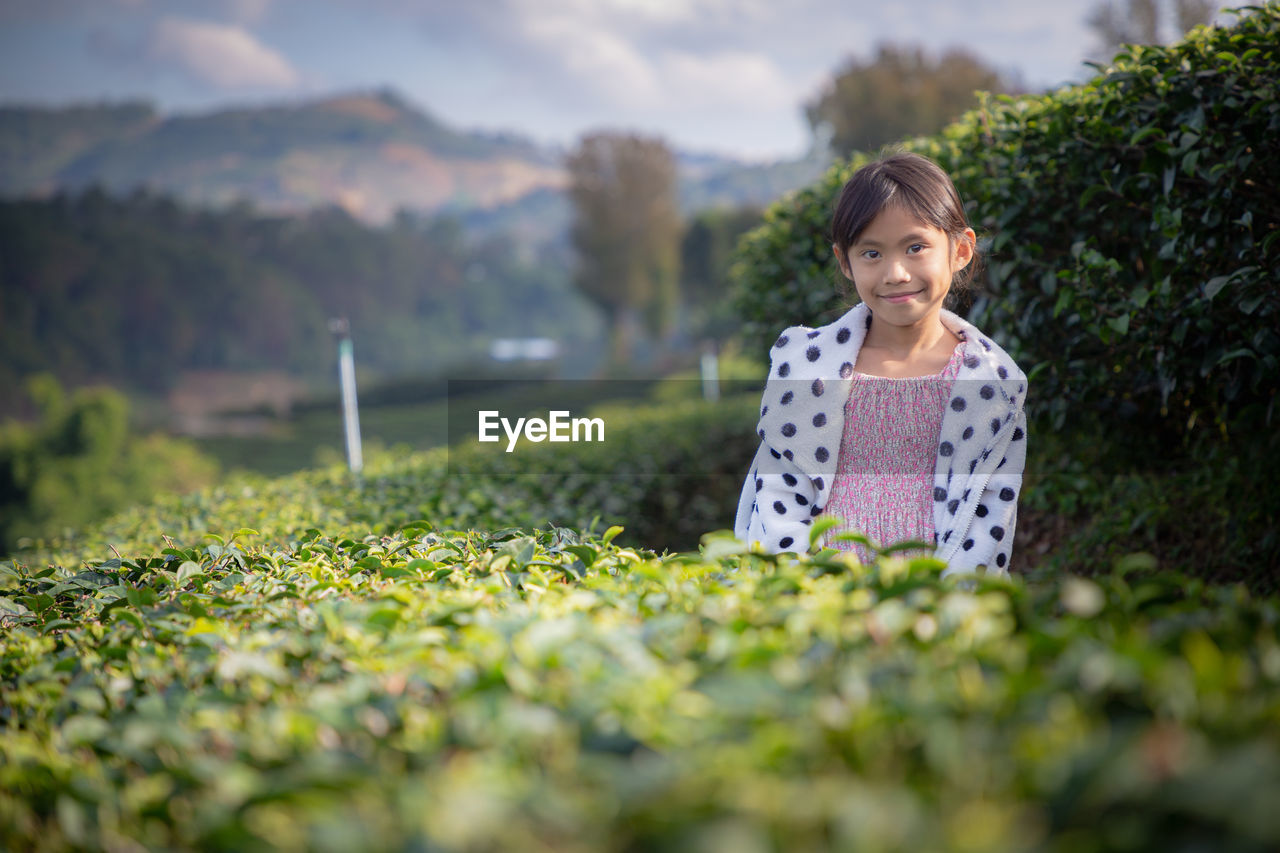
{"x": 909, "y": 343}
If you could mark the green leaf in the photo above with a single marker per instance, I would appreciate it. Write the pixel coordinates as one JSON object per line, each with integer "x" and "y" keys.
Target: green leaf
{"x": 1119, "y": 324}
{"x": 1250, "y": 304}
{"x": 1145, "y": 134}
{"x": 142, "y": 597}
{"x": 1236, "y": 353}
{"x": 610, "y": 533}
{"x": 820, "y": 526}
{"x": 8, "y": 607}
{"x": 585, "y": 553}
{"x": 126, "y": 615}
{"x": 189, "y": 570}
{"x": 1215, "y": 284}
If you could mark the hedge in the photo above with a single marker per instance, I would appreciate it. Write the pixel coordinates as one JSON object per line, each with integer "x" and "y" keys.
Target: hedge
{"x": 1132, "y": 232}
{"x": 430, "y": 689}
{"x": 670, "y": 472}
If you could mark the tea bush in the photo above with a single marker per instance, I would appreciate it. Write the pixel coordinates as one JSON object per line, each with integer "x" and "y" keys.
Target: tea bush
{"x": 1133, "y": 236}
{"x": 669, "y": 472}
{"x": 540, "y": 689}
{"x": 1130, "y": 228}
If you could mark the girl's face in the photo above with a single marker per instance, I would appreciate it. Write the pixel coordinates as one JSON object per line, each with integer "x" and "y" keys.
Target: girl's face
{"x": 902, "y": 268}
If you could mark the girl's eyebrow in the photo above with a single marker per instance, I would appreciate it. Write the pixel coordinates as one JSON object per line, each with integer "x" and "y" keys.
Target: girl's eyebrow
{"x": 913, "y": 237}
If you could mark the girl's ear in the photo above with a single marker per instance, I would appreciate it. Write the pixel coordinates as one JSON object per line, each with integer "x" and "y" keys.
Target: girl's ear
{"x": 843, "y": 261}
{"x": 964, "y": 249}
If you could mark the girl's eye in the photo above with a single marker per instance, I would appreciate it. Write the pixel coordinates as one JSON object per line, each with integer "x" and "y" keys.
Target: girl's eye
{"x": 870, "y": 254}
{"x": 914, "y": 248}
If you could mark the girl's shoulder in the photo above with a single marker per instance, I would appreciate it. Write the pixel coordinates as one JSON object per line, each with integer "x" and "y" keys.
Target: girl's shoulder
{"x": 983, "y": 357}
{"x": 821, "y": 346}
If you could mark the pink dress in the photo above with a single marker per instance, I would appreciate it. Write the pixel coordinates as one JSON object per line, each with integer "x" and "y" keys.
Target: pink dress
{"x": 884, "y": 475}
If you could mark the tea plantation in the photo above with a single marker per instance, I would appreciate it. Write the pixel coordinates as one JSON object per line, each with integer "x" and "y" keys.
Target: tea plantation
{"x": 460, "y": 653}
{"x": 349, "y": 677}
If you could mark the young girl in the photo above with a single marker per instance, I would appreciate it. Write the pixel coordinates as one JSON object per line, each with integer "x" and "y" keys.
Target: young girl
{"x": 900, "y": 419}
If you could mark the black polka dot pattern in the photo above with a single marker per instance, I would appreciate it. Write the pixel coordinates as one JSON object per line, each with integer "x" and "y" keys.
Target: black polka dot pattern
{"x": 975, "y": 504}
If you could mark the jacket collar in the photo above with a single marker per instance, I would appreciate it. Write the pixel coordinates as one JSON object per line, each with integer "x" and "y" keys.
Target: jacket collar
{"x": 815, "y": 366}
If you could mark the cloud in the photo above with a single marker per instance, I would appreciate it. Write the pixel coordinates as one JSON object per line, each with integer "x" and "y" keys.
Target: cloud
{"x": 219, "y": 55}
{"x": 730, "y": 79}
{"x": 603, "y": 60}
{"x": 247, "y": 11}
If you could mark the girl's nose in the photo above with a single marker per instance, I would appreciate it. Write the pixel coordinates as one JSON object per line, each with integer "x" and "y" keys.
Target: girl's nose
{"x": 898, "y": 271}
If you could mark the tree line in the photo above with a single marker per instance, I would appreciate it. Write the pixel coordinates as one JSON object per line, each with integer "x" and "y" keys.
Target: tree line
{"x": 132, "y": 291}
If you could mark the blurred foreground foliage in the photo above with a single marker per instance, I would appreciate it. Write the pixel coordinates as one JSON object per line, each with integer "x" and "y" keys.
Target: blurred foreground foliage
{"x": 423, "y": 688}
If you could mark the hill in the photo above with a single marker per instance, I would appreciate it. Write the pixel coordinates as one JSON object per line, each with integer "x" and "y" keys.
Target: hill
{"x": 368, "y": 153}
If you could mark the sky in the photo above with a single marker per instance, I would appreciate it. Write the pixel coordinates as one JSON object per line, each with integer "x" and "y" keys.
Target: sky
{"x": 721, "y": 76}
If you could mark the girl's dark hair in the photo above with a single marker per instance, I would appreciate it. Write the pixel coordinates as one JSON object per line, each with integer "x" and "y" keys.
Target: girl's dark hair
{"x": 916, "y": 183}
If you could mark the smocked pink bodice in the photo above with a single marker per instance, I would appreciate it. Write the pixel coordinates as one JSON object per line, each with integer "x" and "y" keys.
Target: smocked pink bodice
{"x": 884, "y": 473}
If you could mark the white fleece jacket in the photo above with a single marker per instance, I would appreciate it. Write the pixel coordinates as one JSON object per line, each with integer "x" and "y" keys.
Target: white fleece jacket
{"x": 980, "y": 456}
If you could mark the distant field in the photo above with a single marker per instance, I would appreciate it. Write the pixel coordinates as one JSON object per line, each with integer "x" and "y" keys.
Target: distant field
{"x": 314, "y": 435}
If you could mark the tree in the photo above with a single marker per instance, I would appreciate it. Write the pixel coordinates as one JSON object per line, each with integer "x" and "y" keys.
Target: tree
{"x": 626, "y": 232}
{"x": 902, "y": 93}
{"x": 705, "y": 254}
{"x": 1139, "y": 21}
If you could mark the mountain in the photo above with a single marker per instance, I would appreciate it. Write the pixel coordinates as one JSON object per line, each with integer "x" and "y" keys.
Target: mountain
{"x": 368, "y": 153}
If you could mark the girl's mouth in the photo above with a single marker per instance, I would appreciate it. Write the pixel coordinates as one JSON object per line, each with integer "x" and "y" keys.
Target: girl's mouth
{"x": 900, "y": 297}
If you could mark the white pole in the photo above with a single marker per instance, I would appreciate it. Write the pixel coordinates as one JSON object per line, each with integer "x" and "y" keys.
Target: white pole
{"x": 710, "y": 374}
{"x": 347, "y": 379}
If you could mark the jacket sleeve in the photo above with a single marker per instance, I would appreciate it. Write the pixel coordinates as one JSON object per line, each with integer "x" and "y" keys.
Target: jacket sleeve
{"x": 776, "y": 506}
{"x": 989, "y": 538}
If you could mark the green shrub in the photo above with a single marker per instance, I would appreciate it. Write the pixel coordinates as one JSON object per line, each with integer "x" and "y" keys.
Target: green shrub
{"x": 80, "y": 462}
{"x": 1133, "y": 238}
{"x": 436, "y": 690}
{"x": 669, "y": 472}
